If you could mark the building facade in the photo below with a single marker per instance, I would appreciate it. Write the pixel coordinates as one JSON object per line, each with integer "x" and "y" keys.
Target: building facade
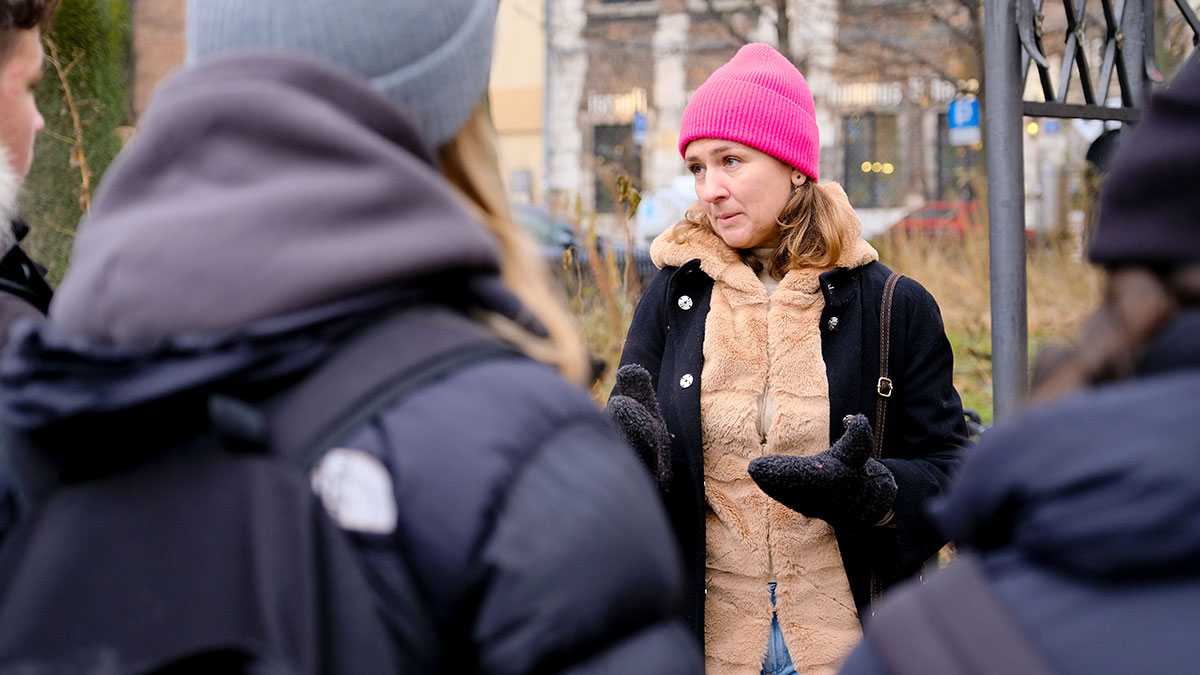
{"x": 584, "y": 91}
{"x": 619, "y": 73}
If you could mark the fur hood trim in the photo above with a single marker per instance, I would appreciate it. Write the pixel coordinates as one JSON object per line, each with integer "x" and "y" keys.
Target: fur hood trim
{"x": 10, "y": 189}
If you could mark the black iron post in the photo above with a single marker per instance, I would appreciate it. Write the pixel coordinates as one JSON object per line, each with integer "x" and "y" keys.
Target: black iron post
{"x": 1006, "y": 207}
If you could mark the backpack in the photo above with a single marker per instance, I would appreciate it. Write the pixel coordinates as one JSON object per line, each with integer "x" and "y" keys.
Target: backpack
{"x": 953, "y": 623}
{"x": 213, "y": 554}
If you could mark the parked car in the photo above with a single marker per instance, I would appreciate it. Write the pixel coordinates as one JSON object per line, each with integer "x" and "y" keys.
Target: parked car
{"x": 664, "y": 207}
{"x": 951, "y": 219}
{"x": 554, "y": 235}
{"x": 557, "y": 235}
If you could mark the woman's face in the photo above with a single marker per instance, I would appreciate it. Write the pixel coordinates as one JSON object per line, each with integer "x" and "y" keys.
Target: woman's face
{"x": 20, "y": 120}
{"x": 743, "y": 190}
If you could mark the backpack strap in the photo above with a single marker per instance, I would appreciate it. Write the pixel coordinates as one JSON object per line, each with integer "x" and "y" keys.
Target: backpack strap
{"x": 375, "y": 368}
{"x": 955, "y": 623}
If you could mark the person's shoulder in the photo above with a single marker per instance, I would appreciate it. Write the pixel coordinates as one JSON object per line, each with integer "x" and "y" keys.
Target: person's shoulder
{"x": 671, "y": 273}
{"x": 1133, "y": 403}
{"x": 527, "y": 386}
{"x": 670, "y": 278}
{"x": 1115, "y": 425}
{"x": 873, "y": 276}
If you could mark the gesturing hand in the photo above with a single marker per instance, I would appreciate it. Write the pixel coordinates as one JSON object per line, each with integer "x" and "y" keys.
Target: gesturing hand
{"x": 633, "y": 406}
{"x": 842, "y": 485}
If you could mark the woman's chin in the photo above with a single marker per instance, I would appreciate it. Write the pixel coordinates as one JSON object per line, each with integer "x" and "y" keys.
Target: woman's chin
{"x": 734, "y": 239}
{"x": 740, "y": 242}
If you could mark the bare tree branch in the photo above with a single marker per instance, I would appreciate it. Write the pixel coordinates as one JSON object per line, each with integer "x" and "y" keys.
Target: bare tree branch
{"x": 726, "y": 22}
{"x": 783, "y": 29}
{"x": 958, "y": 21}
{"x": 899, "y": 56}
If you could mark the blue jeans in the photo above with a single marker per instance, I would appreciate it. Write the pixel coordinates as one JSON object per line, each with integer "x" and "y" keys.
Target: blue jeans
{"x": 777, "y": 661}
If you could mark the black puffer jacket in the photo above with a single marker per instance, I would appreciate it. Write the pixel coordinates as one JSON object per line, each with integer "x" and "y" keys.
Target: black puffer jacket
{"x": 924, "y": 434}
{"x": 267, "y": 198}
{"x": 1086, "y": 514}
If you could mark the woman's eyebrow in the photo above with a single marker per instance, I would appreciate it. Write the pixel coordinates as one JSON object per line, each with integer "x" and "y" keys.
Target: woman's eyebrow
{"x": 719, "y": 150}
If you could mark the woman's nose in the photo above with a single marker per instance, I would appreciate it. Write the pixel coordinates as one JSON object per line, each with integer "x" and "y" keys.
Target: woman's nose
{"x": 712, "y": 189}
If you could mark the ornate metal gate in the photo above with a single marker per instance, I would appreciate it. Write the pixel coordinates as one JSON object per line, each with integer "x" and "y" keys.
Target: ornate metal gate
{"x": 1013, "y": 42}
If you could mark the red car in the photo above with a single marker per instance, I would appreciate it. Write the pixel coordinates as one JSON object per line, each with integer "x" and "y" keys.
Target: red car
{"x": 941, "y": 219}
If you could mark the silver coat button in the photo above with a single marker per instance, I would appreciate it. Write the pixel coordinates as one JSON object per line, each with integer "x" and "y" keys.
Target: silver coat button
{"x": 685, "y": 381}
{"x": 833, "y": 323}
{"x": 685, "y": 303}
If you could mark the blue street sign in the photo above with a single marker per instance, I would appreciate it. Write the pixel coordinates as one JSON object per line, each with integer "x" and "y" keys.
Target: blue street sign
{"x": 962, "y": 118}
{"x": 639, "y": 128}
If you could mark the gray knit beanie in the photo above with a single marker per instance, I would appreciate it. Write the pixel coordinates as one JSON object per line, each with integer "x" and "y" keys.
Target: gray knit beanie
{"x": 430, "y": 56}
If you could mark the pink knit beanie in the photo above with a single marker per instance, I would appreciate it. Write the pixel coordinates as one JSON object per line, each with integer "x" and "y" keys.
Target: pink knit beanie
{"x": 761, "y": 100}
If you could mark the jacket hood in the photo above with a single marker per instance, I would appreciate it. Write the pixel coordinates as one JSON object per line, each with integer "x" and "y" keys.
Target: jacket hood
{"x": 259, "y": 185}
{"x": 723, "y": 263}
{"x": 49, "y": 378}
{"x": 1104, "y": 485}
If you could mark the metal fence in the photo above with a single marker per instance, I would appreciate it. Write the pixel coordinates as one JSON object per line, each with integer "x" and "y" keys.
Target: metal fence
{"x": 1015, "y": 42}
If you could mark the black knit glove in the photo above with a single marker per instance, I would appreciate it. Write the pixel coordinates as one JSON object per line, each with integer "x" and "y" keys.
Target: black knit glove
{"x": 633, "y": 406}
{"x": 842, "y": 486}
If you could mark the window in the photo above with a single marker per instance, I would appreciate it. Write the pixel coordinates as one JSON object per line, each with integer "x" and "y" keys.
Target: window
{"x": 871, "y": 150}
{"x": 955, "y": 165}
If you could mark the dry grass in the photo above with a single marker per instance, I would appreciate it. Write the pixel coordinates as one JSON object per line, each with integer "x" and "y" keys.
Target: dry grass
{"x": 1061, "y": 290}
{"x": 602, "y": 295}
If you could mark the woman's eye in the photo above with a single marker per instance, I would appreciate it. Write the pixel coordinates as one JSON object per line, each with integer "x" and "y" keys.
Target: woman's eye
{"x": 732, "y": 161}
{"x": 695, "y": 169}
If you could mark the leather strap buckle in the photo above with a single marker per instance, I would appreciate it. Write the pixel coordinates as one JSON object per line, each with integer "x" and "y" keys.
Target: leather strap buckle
{"x": 884, "y": 387}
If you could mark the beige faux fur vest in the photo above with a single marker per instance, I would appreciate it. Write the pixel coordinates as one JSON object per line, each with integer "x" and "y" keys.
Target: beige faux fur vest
{"x": 755, "y": 344}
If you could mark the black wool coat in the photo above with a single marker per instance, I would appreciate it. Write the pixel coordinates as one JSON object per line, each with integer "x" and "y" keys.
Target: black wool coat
{"x": 924, "y": 433}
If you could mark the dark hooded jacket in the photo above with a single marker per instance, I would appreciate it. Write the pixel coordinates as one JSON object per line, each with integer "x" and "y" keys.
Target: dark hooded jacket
{"x": 1086, "y": 514}
{"x": 268, "y": 203}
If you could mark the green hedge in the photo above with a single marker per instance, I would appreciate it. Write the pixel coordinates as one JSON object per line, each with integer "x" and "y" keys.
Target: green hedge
{"x": 98, "y": 32}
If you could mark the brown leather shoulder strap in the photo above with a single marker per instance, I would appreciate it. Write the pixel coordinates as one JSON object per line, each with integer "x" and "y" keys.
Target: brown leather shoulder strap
{"x": 884, "y": 387}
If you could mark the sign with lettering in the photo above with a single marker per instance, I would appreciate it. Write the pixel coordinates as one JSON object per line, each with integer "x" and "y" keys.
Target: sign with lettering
{"x": 962, "y": 118}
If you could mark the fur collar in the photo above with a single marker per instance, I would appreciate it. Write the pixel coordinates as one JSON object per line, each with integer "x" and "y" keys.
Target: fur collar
{"x": 10, "y": 188}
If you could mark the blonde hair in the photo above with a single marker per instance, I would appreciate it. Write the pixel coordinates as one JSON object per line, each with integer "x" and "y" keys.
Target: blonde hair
{"x": 470, "y": 162}
{"x": 809, "y": 232}
{"x": 1138, "y": 302}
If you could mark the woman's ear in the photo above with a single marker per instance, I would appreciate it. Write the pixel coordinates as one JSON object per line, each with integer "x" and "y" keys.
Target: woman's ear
{"x": 798, "y": 178}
